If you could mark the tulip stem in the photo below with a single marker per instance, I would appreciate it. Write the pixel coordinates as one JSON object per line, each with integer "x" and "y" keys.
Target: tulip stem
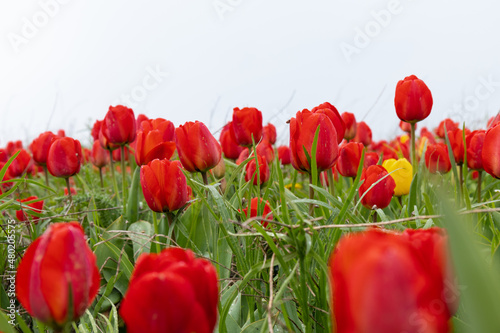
{"x": 124, "y": 174}
{"x": 69, "y": 190}
{"x": 330, "y": 181}
{"x": 205, "y": 178}
{"x": 461, "y": 180}
{"x": 100, "y": 175}
{"x": 115, "y": 184}
{"x": 46, "y": 172}
{"x": 311, "y": 195}
{"x": 157, "y": 232}
{"x": 479, "y": 182}
{"x": 413, "y": 155}
{"x": 375, "y": 216}
{"x": 170, "y": 222}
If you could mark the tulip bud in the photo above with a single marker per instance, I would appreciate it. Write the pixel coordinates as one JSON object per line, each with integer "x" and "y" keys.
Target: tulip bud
{"x": 285, "y": 155}
{"x": 56, "y": 264}
{"x": 264, "y": 207}
{"x": 36, "y": 206}
{"x": 456, "y": 138}
{"x": 243, "y": 156}
{"x": 413, "y": 100}
{"x": 198, "y": 150}
{"x": 64, "y": 157}
{"x": 334, "y": 116}
{"x": 406, "y": 127}
{"x": 475, "y": 142}
{"x": 20, "y": 164}
{"x": 380, "y": 281}
{"x": 380, "y": 195}
{"x": 402, "y": 173}
{"x": 98, "y": 155}
{"x": 251, "y": 169}
{"x": 302, "y": 132}
{"x": 350, "y": 125}
{"x": 96, "y": 129}
{"x": 40, "y": 147}
{"x": 265, "y": 149}
{"x": 119, "y": 126}
{"x": 449, "y": 124}
{"x": 371, "y": 158}
{"x": 220, "y": 169}
{"x": 247, "y": 124}
{"x": 171, "y": 292}
{"x": 164, "y": 185}
{"x": 437, "y": 158}
{"x": 363, "y": 134}
{"x": 491, "y": 151}
{"x": 269, "y": 133}
{"x": 349, "y": 157}
{"x": 229, "y": 145}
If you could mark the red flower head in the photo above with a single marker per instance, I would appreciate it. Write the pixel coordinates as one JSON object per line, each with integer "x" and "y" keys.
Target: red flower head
{"x": 164, "y": 185}
{"x": 437, "y": 158}
{"x": 381, "y": 280}
{"x": 12, "y": 147}
{"x": 285, "y": 155}
{"x": 450, "y": 126}
{"x": 171, "y": 292}
{"x": 381, "y": 194}
{"x": 349, "y": 157}
{"x": 263, "y": 170}
{"x": 155, "y": 140}
{"x": 118, "y": 127}
{"x": 98, "y": 155}
{"x": 117, "y": 154}
{"x": 302, "y": 131}
{"x": 406, "y": 127}
{"x": 20, "y": 164}
{"x": 269, "y": 133}
{"x": 363, "y": 134}
{"x": 493, "y": 121}
{"x": 413, "y": 100}
{"x": 247, "y": 123}
{"x": 371, "y": 158}
{"x": 96, "y": 129}
{"x": 139, "y": 120}
{"x": 424, "y": 132}
{"x": 264, "y": 207}
{"x": 350, "y": 125}
{"x": 55, "y": 263}
{"x": 332, "y": 113}
{"x": 64, "y": 157}
{"x": 40, "y": 147}
{"x": 491, "y": 151}
{"x": 229, "y": 145}
{"x": 36, "y": 206}
{"x": 474, "y": 142}
{"x": 457, "y": 144}
{"x": 198, "y": 150}
{"x": 243, "y": 156}
{"x": 265, "y": 149}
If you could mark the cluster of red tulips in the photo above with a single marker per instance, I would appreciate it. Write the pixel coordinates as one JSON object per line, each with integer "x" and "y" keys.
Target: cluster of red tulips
{"x": 405, "y": 274}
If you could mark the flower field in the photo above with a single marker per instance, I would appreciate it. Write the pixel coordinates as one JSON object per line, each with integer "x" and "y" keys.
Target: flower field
{"x": 164, "y": 228}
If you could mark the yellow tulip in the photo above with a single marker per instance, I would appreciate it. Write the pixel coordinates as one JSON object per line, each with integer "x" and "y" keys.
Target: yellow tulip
{"x": 402, "y": 175}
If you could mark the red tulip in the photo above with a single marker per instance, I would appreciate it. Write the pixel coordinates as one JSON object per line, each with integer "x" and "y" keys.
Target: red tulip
{"x": 392, "y": 282}
{"x": 493, "y": 121}
{"x": 171, "y": 292}
{"x": 64, "y": 157}
{"x": 40, "y": 147}
{"x": 20, "y": 164}
{"x": 457, "y": 144}
{"x": 117, "y": 154}
{"x": 363, "y": 134}
{"x": 371, "y": 158}
{"x": 243, "y": 156}
{"x": 263, "y": 170}
{"x": 350, "y": 125}
{"x": 12, "y": 147}
{"x": 98, "y": 155}
{"x": 247, "y": 124}
{"x": 332, "y": 113}
{"x": 96, "y": 129}
{"x": 155, "y": 140}
{"x": 164, "y": 185}
{"x": 491, "y": 151}
{"x": 302, "y": 132}
{"x": 406, "y": 127}
{"x": 36, "y": 206}
{"x": 349, "y": 157}
{"x": 269, "y": 133}
{"x": 73, "y": 191}
{"x": 382, "y": 147}
{"x": 4, "y": 157}
{"x": 437, "y": 158}
{"x": 413, "y": 100}
{"x": 379, "y": 195}
{"x": 265, "y": 149}
{"x": 229, "y": 145}
{"x": 285, "y": 155}
{"x": 450, "y": 126}
{"x": 61, "y": 133}
{"x": 264, "y": 207}
{"x": 118, "y": 127}
{"x": 198, "y": 150}
{"x": 424, "y": 132}
{"x": 56, "y": 263}
{"x": 139, "y": 120}
{"x": 474, "y": 142}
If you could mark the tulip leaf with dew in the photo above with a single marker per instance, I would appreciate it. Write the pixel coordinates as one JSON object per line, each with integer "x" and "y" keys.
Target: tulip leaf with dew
{"x": 140, "y": 233}
{"x": 413, "y": 195}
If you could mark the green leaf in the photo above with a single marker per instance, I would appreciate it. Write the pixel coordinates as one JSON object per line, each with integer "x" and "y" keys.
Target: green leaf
{"x": 5, "y": 327}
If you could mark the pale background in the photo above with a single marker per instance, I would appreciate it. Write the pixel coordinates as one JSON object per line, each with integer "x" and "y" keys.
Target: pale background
{"x": 280, "y": 56}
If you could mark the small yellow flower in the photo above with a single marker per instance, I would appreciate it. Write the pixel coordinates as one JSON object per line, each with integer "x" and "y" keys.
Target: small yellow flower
{"x": 297, "y": 186}
{"x": 423, "y": 142}
{"x": 404, "y": 138}
{"x": 402, "y": 175}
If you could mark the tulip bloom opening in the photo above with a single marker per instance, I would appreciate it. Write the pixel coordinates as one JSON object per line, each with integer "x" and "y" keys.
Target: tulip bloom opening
{"x": 380, "y": 195}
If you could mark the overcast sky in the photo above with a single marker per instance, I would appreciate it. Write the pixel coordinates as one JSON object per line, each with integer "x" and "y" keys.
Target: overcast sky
{"x": 63, "y": 62}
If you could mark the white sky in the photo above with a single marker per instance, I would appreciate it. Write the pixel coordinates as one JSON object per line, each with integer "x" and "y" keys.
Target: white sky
{"x": 280, "y": 56}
